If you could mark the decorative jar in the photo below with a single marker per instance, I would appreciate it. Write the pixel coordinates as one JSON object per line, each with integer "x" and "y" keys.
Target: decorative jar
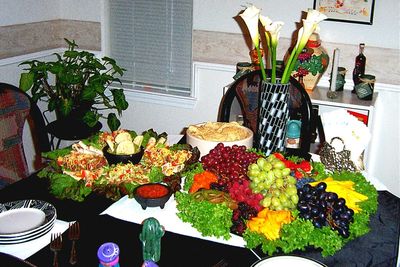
{"x": 311, "y": 63}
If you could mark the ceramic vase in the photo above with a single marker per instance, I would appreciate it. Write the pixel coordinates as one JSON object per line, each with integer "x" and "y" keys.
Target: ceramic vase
{"x": 273, "y": 117}
{"x": 312, "y": 63}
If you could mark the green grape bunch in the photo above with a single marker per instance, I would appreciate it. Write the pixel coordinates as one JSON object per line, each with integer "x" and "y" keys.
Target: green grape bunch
{"x": 270, "y": 177}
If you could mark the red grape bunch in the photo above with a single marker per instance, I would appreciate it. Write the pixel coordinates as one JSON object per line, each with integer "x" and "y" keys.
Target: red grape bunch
{"x": 229, "y": 163}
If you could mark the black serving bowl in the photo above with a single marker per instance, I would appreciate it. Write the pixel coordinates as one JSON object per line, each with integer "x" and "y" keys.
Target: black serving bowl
{"x": 143, "y": 195}
{"x": 114, "y": 158}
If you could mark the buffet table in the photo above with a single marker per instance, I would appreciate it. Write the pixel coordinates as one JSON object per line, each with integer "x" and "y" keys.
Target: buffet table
{"x": 377, "y": 248}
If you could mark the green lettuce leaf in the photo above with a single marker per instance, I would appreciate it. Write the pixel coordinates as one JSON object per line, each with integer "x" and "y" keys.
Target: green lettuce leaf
{"x": 208, "y": 218}
{"x": 156, "y": 175}
{"x": 65, "y": 187}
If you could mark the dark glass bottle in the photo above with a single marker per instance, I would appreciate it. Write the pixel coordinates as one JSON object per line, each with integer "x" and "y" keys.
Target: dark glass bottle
{"x": 359, "y": 67}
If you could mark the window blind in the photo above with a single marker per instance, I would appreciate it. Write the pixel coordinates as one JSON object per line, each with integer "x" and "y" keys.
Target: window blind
{"x": 152, "y": 40}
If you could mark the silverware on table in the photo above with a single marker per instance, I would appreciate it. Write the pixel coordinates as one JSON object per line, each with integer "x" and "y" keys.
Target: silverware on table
{"x": 221, "y": 263}
{"x": 56, "y": 246}
{"x": 73, "y": 235}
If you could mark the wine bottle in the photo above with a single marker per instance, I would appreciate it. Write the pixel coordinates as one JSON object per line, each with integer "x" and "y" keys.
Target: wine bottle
{"x": 359, "y": 67}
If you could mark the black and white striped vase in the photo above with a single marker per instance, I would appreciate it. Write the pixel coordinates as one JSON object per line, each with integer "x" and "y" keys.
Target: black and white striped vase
{"x": 273, "y": 117}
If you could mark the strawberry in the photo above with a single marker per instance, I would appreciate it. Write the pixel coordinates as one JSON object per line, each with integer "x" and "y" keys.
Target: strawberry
{"x": 279, "y": 156}
{"x": 290, "y": 164}
{"x": 298, "y": 174}
{"x": 305, "y": 166}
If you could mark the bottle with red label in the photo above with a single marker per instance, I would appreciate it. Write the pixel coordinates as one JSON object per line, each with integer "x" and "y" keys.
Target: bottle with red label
{"x": 359, "y": 67}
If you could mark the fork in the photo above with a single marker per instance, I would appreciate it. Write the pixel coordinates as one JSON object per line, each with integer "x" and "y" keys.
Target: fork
{"x": 55, "y": 246}
{"x": 221, "y": 263}
{"x": 73, "y": 235}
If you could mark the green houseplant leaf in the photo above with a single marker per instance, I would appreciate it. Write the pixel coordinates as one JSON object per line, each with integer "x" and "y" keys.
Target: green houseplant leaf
{"x": 26, "y": 81}
{"x": 90, "y": 118}
{"x": 113, "y": 122}
{"x": 119, "y": 99}
{"x": 73, "y": 78}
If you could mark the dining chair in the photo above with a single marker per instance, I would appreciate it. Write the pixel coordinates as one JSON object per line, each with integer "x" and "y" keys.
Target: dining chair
{"x": 16, "y": 108}
{"x": 246, "y": 91}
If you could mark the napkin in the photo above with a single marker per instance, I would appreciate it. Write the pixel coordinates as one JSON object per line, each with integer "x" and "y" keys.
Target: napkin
{"x": 27, "y": 249}
{"x": 128, "y": 209}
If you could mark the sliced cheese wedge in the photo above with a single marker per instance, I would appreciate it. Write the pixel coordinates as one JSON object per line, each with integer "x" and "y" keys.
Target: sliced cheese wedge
{"x": 125, "y": 148}
{"x": 123, "y": 136}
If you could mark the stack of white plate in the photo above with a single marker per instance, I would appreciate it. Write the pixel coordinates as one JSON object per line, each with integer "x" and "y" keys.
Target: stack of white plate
{"x": 25, "y": 220}
{"x": 280, "y": 261}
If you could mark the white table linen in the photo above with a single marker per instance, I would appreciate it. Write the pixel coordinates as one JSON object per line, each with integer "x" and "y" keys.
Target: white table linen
{"x": 27, "y": 249}
{"x": 128, "y": 209}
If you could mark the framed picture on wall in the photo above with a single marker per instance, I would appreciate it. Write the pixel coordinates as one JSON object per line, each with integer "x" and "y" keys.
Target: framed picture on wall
{"x": 355, "y": 11}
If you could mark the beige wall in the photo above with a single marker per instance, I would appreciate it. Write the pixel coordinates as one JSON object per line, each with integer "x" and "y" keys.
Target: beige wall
{"x": 208, "y": 46}
{"x": 33, "y": 37}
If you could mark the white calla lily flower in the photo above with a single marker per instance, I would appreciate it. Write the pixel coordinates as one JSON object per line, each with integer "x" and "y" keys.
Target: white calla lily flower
{"x": 305, "y": 32}
{"x": 315, "y": 16}
{"x": 251, "y": 16}
{"x": 265, "y": 21}
{"x": 274, "y": 29}
{"x": 272, "y": 33}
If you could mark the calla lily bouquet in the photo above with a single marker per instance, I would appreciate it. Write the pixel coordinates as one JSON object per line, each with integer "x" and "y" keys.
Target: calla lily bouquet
{"x": 252, "y": 17}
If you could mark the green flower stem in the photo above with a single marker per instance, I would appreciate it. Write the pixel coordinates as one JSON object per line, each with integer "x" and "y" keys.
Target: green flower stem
{"x": 268, "y": 42}
{"x": 264, "y": 75}
{"x": 291, "y": 67}
{"x": 292, "y": 61}
{"x": 273, "y": 58}
{"x": 286, "y": 72}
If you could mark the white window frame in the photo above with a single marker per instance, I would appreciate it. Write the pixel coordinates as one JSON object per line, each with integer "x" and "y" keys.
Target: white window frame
{"x": 148, "y": 95}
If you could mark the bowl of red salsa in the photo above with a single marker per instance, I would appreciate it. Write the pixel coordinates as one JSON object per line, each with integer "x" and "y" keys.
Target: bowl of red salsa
{"x": 152, "y": 195}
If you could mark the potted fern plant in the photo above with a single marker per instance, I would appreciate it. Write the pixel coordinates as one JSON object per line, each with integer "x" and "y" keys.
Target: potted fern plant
{"x": 75, "y": 86}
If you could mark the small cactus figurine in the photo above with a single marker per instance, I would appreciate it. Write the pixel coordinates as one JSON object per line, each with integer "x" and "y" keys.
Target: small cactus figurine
{"x": 150, "y": 236}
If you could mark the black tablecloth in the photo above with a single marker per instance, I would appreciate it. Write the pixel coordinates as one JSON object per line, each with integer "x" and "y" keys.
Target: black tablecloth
{"x": 377, "y": 248}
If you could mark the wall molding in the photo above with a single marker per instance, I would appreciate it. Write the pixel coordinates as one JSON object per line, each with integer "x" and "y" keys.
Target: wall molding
{"x": 324, "y": 82}
{"x": 30, "y": 56}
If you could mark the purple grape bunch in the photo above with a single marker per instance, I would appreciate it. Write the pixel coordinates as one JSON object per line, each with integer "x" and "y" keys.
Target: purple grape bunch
{"x": 240, "y": 215}
{"x": 324, "y": 208}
